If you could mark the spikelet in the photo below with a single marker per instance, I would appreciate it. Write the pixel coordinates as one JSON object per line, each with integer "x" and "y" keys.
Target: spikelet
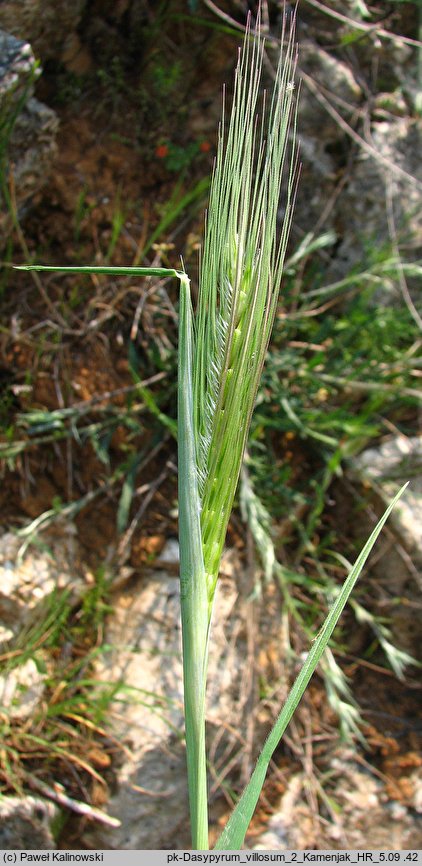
{"x": 241, "y": 271}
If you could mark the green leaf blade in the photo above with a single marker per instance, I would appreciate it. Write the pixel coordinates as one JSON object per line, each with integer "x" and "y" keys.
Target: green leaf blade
{"x": 234, "y": 833}
{"x": 98, "y": 269}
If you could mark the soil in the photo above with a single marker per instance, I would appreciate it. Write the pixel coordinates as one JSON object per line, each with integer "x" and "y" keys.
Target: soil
{"x": 65, "y": 342}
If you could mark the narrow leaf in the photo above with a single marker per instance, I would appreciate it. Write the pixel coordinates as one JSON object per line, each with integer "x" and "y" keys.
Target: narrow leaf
{"x": 126, "y": 496}
{"x": 234, "y": 833}
{"x": 98, "y": 269}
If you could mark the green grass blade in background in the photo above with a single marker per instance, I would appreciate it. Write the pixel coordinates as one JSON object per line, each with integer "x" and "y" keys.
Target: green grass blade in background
{"x": 234, "y": 833}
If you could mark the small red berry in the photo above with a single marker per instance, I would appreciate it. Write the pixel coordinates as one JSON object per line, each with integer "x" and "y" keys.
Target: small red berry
{"x": 161, "y": 151}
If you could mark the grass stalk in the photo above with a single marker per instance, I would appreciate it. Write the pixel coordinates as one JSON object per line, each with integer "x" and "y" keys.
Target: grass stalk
{"x": 193, "y": 586}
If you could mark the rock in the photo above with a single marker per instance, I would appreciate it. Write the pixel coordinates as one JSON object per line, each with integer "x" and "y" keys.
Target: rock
{"x": 46, "y": 24}
{"x": 32, "y": 151}
{"x": 25, "y": 824}
{"x": 29, "y": 128}
{"x": 6, "y": 634}
{"x": 386, "y": 104}
{"x": 386, "y": 467}
{"x": 416, "y": 790}
{"x": 17, "y": 64}
{"x": 21, "y": 690}
{"x": 360, "y": 150}
{"x": 28, "y": 581}
{"x": 321, "y": 139}
{"x": 392, "y": 463}
{"x": 382, "y": 189}
{"x": 333, "y": 75}
{"x": 143, "y": 641}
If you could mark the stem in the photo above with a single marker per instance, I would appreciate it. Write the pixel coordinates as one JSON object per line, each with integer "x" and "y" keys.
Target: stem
{"x": 194, "y": 670}
{"x": 193, "y": 586}
{"x": 193, "y": 582}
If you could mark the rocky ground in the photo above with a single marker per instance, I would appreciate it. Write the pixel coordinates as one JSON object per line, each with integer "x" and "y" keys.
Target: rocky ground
{"x": 106, "y": 154}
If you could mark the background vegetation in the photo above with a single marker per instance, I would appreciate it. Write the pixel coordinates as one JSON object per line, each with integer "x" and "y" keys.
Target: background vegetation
{"x": 88, "y": 366}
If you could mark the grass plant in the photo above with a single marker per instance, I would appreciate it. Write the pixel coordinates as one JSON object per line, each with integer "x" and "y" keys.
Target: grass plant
{"x": 221, "y": 354}
{"x": 63, "y": 735}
